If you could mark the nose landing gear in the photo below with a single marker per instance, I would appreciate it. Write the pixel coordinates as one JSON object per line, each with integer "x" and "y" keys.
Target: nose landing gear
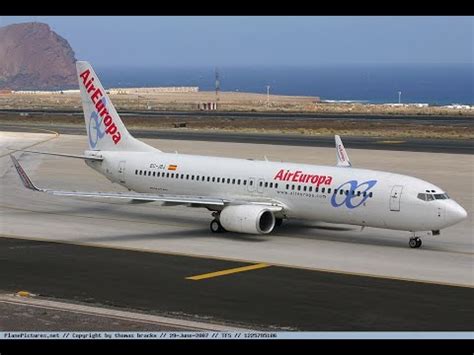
{"x": 415, "y": 242}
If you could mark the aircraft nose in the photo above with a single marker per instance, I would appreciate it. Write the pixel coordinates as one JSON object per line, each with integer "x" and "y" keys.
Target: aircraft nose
{"x": 456, "y": 213}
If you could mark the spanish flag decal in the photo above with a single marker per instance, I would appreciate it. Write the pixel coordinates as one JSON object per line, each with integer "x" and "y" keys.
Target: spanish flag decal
{"x": 172, "y": 167}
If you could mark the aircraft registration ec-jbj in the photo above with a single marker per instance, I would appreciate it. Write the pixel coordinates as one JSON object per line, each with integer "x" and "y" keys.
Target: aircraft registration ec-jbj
{"x": 250, "y": 196}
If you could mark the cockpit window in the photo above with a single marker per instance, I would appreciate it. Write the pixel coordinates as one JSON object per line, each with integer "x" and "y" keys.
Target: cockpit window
{"x": 422, "y": 197}
{"x": 432, "y": 197}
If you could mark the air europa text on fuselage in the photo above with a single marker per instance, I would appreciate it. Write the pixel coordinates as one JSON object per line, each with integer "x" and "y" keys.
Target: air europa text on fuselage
{"x": 96, "y": 97}
{"x": 299, "y": 176}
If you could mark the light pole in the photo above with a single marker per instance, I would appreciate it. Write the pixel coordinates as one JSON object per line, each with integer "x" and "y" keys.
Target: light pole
{"x": 399, "y": 97}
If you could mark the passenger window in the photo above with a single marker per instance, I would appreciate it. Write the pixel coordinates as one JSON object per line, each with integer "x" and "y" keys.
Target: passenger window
{"x": 329, "y": 190}
{"x": 347, "y": 192}
{"x": 276, "y": 185}
{"x": 353, "y": 192}
{"x": 371, "y": 194}
{"x": 218, "y": 179}
{"x": 192, "y": 177}
{"x": 213, "y": 179}
{"x": 238, "y": 182}
{"x": 266, "y": 184}
{"x": 322, "y": 190}
{"x": 358, "y": 193}
{"x": 167, "y": 175}
{"x": 149, "y": 173}
{"x": 292, "y": 187}
{"x": 310, "y": 188}
{"x": 228, "y": 180}
{"x": 136, "y": 172}
{"x": 251, "y": 182}
{"x": 364, "y": 194}
{"x": 287, "y": 186}
{"x": 260, "y": 184}
{"x": 316, "y": 189}
{"x": 341, "y": 192}
{"x": 154, "y": 173}
{"x": 140, "y": 172}
{"x": 245, "y": 182}
{"x": 299, "y": 187}
{"x": 233, "y": 181}
{"x": 271, "y": 184}
{"x": 304, "y": 188}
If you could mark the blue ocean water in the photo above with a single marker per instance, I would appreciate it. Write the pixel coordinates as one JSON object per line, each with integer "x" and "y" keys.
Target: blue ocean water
{"x": 431, "y": 83}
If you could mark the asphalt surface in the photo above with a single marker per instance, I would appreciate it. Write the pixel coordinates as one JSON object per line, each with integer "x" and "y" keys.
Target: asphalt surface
{"x": 454, "y": 146}
{"x": 271, "y": 298}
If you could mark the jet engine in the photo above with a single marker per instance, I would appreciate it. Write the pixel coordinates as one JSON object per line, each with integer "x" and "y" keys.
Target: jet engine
{"x": 252, "y": 219}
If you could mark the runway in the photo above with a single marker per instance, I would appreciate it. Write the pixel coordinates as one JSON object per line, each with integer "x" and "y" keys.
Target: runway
{"x": 313, "y": 269}
{"x": 452, "y": 146}
{"x": 428, "y": 119}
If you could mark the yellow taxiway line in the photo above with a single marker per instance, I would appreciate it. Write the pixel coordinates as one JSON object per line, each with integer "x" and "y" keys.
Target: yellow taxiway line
{"x": 228, "y": 271}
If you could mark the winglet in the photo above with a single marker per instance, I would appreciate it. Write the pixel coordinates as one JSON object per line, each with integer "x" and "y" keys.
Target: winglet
{"x": 24, "y": 178}
{"x": 341, "y": 154}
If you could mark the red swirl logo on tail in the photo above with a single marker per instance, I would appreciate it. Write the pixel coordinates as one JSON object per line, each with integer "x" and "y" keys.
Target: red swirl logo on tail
{"x": 96, "y": 95}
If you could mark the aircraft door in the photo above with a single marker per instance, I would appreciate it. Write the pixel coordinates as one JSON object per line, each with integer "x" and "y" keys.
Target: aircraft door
{"x": 260, "y": 185}
{"x": 395, "y": 196}
{"x": 121, "y": 171}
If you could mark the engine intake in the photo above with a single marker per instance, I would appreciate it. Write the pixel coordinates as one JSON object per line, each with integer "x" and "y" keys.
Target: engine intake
{"x": 251, "y": 219}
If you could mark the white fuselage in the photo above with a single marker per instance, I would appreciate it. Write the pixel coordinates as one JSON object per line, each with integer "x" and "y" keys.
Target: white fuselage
{"x": 362, "y": 197}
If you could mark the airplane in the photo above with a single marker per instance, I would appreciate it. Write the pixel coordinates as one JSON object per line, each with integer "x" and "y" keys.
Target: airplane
{"x": 246, "y": 195}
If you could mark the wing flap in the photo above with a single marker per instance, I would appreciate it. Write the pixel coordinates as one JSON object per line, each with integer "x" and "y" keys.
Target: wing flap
{"x": 142, "y": 197}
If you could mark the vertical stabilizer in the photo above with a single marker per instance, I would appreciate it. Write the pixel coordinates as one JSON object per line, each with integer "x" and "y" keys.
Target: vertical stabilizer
{"x": 105, "y": 129}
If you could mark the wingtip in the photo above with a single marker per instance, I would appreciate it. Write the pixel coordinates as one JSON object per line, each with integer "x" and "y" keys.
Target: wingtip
{"x": 22, "y": 174}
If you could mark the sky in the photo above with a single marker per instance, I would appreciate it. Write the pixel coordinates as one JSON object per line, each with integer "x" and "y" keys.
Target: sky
{"x": 271, "y": 41}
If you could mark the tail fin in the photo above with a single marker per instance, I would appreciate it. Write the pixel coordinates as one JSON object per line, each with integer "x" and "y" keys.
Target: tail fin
{"x": 105, "y": 129}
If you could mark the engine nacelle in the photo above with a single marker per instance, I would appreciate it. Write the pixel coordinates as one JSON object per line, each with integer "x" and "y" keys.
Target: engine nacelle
{"x": 252, "y": 219}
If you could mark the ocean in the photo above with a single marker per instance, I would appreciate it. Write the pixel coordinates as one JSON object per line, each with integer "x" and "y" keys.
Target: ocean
{"x": 435, "y": 84}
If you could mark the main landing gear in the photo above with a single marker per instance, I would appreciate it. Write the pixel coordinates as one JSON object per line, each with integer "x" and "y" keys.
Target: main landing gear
{"x": 415, "y": 242}
{"x": 216, "y": 226}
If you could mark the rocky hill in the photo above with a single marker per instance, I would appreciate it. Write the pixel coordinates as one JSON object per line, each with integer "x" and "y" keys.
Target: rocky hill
{"x": 33, "y": 57}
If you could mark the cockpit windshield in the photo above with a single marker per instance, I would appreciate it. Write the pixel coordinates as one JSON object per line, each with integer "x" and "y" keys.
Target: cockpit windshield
{"x": 432, "y": 197}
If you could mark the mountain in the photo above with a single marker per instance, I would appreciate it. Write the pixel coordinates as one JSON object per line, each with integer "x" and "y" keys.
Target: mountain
{"x": 33, "y": 57}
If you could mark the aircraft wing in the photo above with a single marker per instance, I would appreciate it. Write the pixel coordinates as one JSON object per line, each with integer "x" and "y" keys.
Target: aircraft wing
{"x": 85, "y": 157}
{"x": 341, "y": 154}
{"x": 190, "y": 200}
